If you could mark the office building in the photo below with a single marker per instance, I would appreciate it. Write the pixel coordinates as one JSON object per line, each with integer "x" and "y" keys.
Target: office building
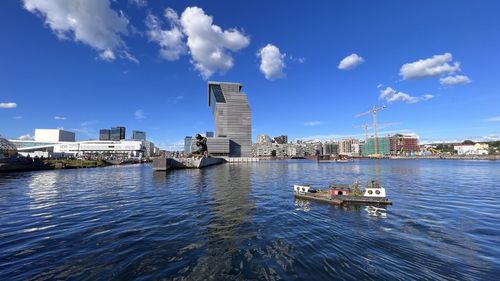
{"x": 262, "y": 139}
{"x": 149, "y": 148}
{"x": 218, "y": 146}
{"x": 117, "y": 133}
{"x": 281, "y": 139}
{"x": 53, "y": 135}
{"x": 330, "y": 148}
{"x": 349, "y": 147}
{"x": 187, "y": 145}
{"x": 232, "y": 117}
{"x": 138, "y": 135}
{"x": 105, "y": 134}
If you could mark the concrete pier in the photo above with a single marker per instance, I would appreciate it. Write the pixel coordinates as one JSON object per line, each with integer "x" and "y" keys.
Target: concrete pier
{"x": 165, "y": 164}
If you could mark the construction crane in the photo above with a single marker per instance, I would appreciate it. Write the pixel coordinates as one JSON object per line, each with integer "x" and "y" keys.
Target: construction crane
{"x": 373, "y": 111}
{"x": 365, "y": 127}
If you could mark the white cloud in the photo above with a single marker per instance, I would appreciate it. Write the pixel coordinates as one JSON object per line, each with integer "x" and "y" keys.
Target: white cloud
{"x": 454, "y": 80}
{"x": 493, "y": 119}
{"x": 25, "y": 137}
{"x": 490, "y": 137}
{"x": 435, "y": 66}
{"x": 313, "y": 123}
{"x": 107, "y": 55}
{"x": 92, "y": 22}
{"x": 139, "y": 3}
{"x": 139, "y": 114}
{"x": 88, "y": 123}
{"x": 298, "y": 60}
{"x": 171, "y": 41}
{"x": 427, "y": 97}
{"x": 208, "y": 44}
{"x": 59, "y": 118}
{"x": 271, "y": 62}
{"x": 8, "y": 105}
{"x": 350, "y": 62}
{"x": 17, "y": 117}
{"x": 87, "y": 129}
{"x": 390, "y": 95}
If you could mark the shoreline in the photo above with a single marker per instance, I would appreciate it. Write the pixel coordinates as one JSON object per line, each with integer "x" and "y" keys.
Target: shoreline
{"x": 432, "y": 157}
{"x": 53, "y": 164}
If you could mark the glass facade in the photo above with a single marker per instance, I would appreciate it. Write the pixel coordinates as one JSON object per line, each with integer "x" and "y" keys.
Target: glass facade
{"x": 138, "y": 135}
{"x": 216, "y": 96}
{"x": 117, "y": 133}
{"x": 104, "y": 134}
{"x": 187, "y": 145}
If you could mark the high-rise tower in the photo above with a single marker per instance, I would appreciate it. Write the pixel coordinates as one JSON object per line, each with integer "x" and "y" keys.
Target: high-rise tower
{"x": 232, "y": 116}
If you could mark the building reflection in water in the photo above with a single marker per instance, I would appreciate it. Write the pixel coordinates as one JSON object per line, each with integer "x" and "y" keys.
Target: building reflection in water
{"x": 230, "y": 222}
{"x": 42, "y": 189}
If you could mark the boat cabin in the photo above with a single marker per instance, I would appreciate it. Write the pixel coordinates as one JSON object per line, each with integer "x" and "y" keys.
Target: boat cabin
{"x": 301, "y": 188}
{"x": 374, "y": 189}
{"x": 339, "y": 190}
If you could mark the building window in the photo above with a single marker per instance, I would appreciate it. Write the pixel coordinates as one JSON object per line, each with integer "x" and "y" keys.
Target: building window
{"x": 217, "y": 93}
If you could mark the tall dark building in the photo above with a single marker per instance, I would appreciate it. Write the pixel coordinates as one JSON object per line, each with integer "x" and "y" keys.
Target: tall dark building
{"x": 105, "y": 134}
{"x": 187, "y": 145}
{"x": 138, "y": 135}
{"x": 117, "y": 133}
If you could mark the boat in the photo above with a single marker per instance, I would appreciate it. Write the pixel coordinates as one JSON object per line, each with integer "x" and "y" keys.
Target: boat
{"x": 342, "y": 194}
{"x": 330, "y": 159}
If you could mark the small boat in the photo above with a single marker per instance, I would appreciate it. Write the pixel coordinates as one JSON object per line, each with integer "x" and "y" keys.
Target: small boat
{"x": 339, "y": 194}
{"x": 330, "y": 159}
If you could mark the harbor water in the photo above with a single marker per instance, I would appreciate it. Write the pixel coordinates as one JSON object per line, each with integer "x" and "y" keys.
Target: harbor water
{"x": 241, "y": 222}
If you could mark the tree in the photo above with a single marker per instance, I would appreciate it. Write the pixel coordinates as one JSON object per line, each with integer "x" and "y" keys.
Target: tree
{"x": 468, "y": 142}
{"x": 492, "y": 150}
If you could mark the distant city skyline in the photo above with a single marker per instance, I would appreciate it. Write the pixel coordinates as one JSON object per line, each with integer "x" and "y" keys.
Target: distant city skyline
{"x": 307, "y": 72}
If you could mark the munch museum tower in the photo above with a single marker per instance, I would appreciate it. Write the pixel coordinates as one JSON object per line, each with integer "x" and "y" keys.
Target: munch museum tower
{"x": 232, "y": 117}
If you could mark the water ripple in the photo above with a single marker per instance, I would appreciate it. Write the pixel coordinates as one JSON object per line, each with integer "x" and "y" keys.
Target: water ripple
{"x": 241, "y": 222}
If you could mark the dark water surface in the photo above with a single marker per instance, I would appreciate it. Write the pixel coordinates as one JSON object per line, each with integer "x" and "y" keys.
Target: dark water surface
{"x": 240, "y": 221}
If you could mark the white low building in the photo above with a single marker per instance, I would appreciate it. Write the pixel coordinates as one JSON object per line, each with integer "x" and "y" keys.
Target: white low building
{"x": 130, "y": 148}
{"x": 54, "y": 135}
{"x": 472, "y": 149}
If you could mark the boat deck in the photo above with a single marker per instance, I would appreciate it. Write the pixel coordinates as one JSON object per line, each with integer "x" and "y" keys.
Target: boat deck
{"x": 340, "y": 200}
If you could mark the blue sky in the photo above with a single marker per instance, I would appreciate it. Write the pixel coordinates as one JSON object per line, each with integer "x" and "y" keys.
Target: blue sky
{"x": 90, "y": 64}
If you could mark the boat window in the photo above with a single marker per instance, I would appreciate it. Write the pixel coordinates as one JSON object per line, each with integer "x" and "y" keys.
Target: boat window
{"x": 377, "y": 191}
{"x": 339, "y": 193}
{"x": 370, "y": 192}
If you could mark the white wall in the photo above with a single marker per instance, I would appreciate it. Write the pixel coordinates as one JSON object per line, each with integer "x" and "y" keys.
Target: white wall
{"x": 53, "y": 135}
